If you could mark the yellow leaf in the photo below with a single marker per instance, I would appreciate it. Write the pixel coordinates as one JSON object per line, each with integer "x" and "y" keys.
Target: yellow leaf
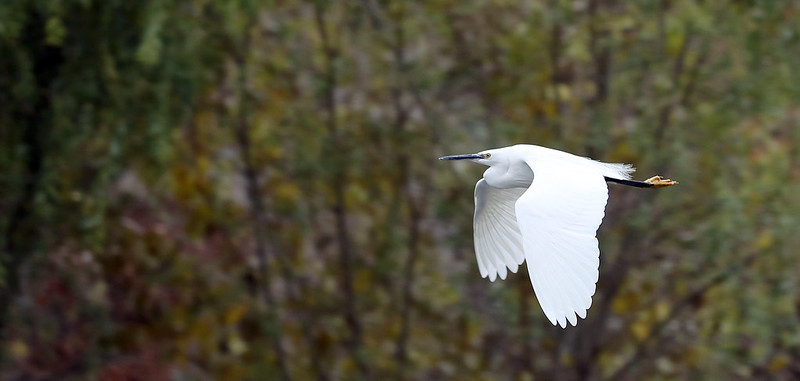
{"x": 696, "y": 355}
{"x": 362, "y": 281}
{"x": 203, "y": 164}
{"x": 564, "y": 93}
{"x": 764, "y": 240}
{"x": 779, "y": 363}
{"x": 18, "y": 349}
{"x": 237, "y": 345}
{"x": 233, "y": 315}
{"x": 625, "y": 302}
{"x": 640, "y": 329}
{"x": 567, "y": 359}
{"x": 550, "y": 109}
{"x": 662, "y": 310}
{"x": 287, "y": 192}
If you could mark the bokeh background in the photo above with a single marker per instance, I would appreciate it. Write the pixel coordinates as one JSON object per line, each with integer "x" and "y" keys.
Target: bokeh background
{"x": 249, "y": 190}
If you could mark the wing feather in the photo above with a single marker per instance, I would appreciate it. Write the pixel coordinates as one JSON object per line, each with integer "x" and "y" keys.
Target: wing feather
{"x": 494, "y": 249}
{"x": 498, "y": 240}
{"x": 504, "y": 246}
{"x": 559, "y": 216}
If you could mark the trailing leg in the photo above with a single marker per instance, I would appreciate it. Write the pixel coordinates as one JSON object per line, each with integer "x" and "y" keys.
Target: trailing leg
{"x": 653, "y": 182}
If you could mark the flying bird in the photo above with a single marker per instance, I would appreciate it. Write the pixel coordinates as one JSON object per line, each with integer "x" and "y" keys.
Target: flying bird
{"x": 543, "y": 207}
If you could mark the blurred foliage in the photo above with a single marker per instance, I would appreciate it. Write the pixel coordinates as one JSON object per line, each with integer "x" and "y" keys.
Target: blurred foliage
{"x": 208, "y": 189}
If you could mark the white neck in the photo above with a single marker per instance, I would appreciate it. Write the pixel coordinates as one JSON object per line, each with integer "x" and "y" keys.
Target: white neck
{"x": 509, "y": 175}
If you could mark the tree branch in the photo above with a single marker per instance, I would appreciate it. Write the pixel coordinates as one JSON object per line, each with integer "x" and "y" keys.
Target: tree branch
{"x": 257, "y": 210}
{"x": 338, "y": 183}
{"x": 22, "y": 233}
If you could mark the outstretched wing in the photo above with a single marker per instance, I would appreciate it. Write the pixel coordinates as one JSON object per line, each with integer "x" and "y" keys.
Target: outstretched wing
{"x": 498, "y": 242}
{"x": 559, "y": 215}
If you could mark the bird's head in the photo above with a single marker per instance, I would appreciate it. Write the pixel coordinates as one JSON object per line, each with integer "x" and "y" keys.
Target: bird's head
{"x": 488, "y": 157}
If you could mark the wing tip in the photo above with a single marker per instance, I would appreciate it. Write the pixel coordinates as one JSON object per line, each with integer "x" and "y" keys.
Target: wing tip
{"x": 502, "y": 273}
{"x": 570, "y": 318}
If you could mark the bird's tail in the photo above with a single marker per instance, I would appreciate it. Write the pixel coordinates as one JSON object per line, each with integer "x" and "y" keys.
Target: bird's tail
{"x": 617, "y": 170}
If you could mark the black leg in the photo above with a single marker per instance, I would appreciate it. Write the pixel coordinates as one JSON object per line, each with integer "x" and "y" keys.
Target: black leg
{"x": 633, "y": 183}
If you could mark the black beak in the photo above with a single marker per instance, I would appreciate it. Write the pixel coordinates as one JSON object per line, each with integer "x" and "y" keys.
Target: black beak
{"x": 470, "y": 156}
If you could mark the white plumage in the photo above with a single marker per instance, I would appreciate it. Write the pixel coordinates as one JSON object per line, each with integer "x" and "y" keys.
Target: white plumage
{"x": 543, "y": 207}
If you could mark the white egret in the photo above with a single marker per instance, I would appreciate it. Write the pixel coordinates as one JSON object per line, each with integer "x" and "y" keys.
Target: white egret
{"x": 544, "y": 207}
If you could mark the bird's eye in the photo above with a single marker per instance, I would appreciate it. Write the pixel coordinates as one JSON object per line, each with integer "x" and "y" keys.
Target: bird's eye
{"x": 486, "y": 155}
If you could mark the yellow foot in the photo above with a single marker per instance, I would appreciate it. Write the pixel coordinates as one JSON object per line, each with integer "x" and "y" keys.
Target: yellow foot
{"x": 659, "y": 182}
